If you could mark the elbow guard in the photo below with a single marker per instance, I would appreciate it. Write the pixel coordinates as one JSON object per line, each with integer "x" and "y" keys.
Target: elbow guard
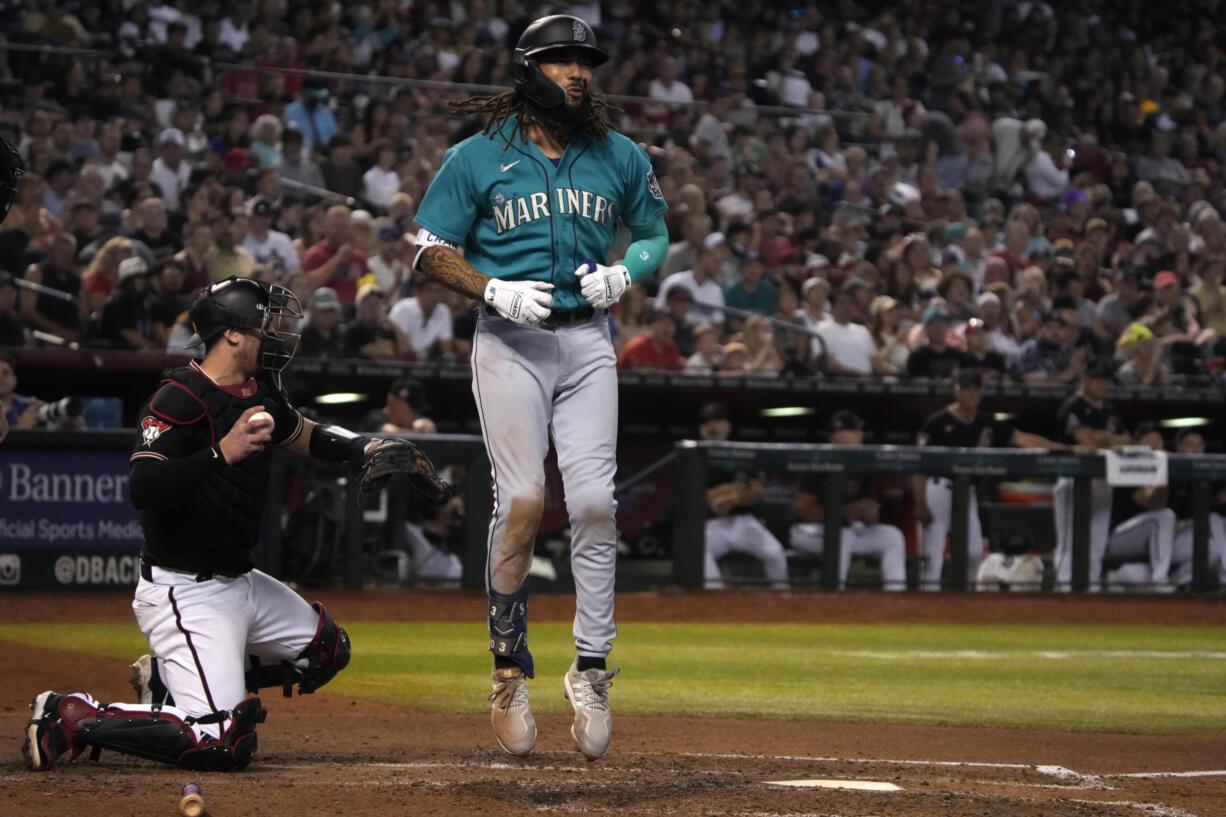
{"x": 336, "y": 444}
{"x": 647, "y": 252}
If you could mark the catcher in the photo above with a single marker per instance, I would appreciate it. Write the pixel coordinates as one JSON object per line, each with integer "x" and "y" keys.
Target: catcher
{"x": 218, "y": 627}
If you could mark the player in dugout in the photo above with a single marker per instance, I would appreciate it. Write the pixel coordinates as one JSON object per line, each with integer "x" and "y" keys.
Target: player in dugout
{"x": 732, "y": 526}
{"x": 961, "y": 424}
{"x": 863, "y": 533}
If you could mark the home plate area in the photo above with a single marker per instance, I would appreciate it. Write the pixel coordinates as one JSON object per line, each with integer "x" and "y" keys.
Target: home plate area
{"x": 650, "y": 783}
{"x": 459, "y": 782}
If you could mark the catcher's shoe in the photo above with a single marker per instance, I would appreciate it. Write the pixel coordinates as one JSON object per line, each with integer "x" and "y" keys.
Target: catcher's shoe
{"x": 52, "y": 730}
{"x": 588, "y": 693}
{"x": 142, "y": 674}
{"x": 510, "y": 714}
{"x": 147, "y": 682}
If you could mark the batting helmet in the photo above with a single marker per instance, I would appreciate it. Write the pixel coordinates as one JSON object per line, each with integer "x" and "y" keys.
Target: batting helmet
{"x": 550, "y": 33}
{"x": 10, "y": 171}
{"x": 243, "y": 303}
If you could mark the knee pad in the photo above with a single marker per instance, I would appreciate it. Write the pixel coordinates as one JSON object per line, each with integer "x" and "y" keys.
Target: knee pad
{"x": 508, "y": 618}
{"x": 167, "y": 738}
{"x": 326, "y": 655}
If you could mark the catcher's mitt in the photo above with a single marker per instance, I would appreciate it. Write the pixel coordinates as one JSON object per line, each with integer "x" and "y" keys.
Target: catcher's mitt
{"x": 388, "y": 457}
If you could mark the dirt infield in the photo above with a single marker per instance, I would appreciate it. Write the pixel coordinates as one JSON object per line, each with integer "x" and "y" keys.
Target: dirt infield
{"x": 331, "y": 755}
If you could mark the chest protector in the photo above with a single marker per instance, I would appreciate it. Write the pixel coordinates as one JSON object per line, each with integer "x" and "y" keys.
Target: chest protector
{"x": 215, "y": 526}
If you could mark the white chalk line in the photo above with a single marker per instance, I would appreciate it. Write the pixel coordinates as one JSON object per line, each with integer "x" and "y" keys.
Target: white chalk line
{"x": 1151, "y": 809}
{"x": 1208, "y": 773}
{"x": 1045, "y": 655}
{"x": 1010, "y": 784}
{"x": 1081, "y": 781}
{"x": 822, "y": 759}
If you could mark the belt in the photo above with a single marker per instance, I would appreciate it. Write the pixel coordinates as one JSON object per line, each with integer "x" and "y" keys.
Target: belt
{"x": 146, "y": 572}
{"x": 558, "y": 320}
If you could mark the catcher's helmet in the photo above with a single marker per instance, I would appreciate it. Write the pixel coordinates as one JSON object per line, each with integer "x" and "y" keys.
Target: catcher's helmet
{"x": 243, "y": 303}
{"x": 10, "y": 171}
{"x": 550, "y": 33}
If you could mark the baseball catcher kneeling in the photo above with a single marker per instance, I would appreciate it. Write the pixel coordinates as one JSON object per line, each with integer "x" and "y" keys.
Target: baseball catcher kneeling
{"x": 218, "y": 628}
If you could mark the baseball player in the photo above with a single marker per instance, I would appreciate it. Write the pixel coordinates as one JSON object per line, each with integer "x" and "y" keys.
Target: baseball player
{"x": 1192, "y": 441}
{"x": 1086, "y": 419}
{"x": 1143, "y": 528}
{"x": 219, "y": 628}
{"x": 732, "y": 527}
{"x": 961, "y": 424}
{"x": 521, "y": 216}
{"x": 863, "y": 533}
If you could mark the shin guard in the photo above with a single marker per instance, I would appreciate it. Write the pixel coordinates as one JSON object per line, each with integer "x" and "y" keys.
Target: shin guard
{"x": 508, "y": 618}
{"x": 168, "y": 738}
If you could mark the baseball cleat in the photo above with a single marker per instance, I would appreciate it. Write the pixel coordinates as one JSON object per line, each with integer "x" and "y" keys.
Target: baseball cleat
{"x": 142, "y": 674}
{"x": 588, "y": 693}
{"x": 52, "y": 730}
{"x": 147, "y": 682}
{"x": 45, "y": 741}
{"x": 510, "y": 714}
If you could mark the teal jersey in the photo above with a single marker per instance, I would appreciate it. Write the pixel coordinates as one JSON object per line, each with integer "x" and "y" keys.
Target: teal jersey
{"x": 519, "y": 217}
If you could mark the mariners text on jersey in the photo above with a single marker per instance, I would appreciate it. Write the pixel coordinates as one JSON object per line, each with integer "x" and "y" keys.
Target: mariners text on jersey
{"x": 510, "y": 213}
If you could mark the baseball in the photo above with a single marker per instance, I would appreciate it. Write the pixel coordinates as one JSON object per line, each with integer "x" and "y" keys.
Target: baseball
{"x": 261, "y": 419}
{"x": 192, "y": 803}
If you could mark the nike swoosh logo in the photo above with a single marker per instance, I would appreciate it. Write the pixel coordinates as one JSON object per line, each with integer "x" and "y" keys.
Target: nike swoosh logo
{"x": 505, "y": 168}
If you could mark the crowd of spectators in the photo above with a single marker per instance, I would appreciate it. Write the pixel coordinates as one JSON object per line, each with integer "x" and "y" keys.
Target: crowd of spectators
{"x": 859, "y": 189}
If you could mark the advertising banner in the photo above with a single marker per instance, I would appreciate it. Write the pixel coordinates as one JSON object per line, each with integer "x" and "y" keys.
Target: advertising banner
{"x": 66, "y": 519}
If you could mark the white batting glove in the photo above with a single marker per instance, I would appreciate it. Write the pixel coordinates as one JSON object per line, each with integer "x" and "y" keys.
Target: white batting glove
{"x": 526, "y": 302}
{"x": 601, "y": 285}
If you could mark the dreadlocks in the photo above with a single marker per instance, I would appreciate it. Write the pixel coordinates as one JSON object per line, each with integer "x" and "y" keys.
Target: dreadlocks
{"x": 591, "y": 118}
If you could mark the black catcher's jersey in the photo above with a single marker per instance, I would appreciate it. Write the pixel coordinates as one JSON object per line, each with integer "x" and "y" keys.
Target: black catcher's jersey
{"x": 214, "y": 524}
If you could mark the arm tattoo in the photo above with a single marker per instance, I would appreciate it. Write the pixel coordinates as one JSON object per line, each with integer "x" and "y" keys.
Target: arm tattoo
{"x": 450, "y": 269}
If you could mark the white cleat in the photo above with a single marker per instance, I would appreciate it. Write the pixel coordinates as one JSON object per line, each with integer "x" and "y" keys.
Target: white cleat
{"x": 142, "y": 674}
{"x": 510, "y": 714}
{"x": 588, "y": 693}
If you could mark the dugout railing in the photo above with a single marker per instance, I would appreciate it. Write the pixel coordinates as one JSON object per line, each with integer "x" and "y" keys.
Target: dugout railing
{"x": 75, "y": 454}
{"x": 962, "y": 465}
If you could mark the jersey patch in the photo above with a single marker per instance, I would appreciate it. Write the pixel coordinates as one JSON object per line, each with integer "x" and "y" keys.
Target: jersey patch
{"x": 151, "y": 428}
{"x": 654, "y": 186}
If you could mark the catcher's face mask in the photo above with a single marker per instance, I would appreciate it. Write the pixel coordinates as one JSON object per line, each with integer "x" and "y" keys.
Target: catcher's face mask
{"x": 279, "y": 340}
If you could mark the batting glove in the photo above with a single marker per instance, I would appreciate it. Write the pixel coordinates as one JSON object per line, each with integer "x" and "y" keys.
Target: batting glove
{"x": 526, "y": 302}
{"x": 602, "y": 285}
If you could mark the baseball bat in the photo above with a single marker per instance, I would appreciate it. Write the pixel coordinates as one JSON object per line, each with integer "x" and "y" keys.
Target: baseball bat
{"x": 191, "y": 803}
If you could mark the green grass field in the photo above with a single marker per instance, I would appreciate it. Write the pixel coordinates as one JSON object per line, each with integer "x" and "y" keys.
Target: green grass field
{"x": 1122, "y": 679}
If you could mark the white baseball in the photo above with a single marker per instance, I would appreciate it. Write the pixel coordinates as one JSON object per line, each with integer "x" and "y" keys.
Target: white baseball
{"x": 261, "y": 419}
